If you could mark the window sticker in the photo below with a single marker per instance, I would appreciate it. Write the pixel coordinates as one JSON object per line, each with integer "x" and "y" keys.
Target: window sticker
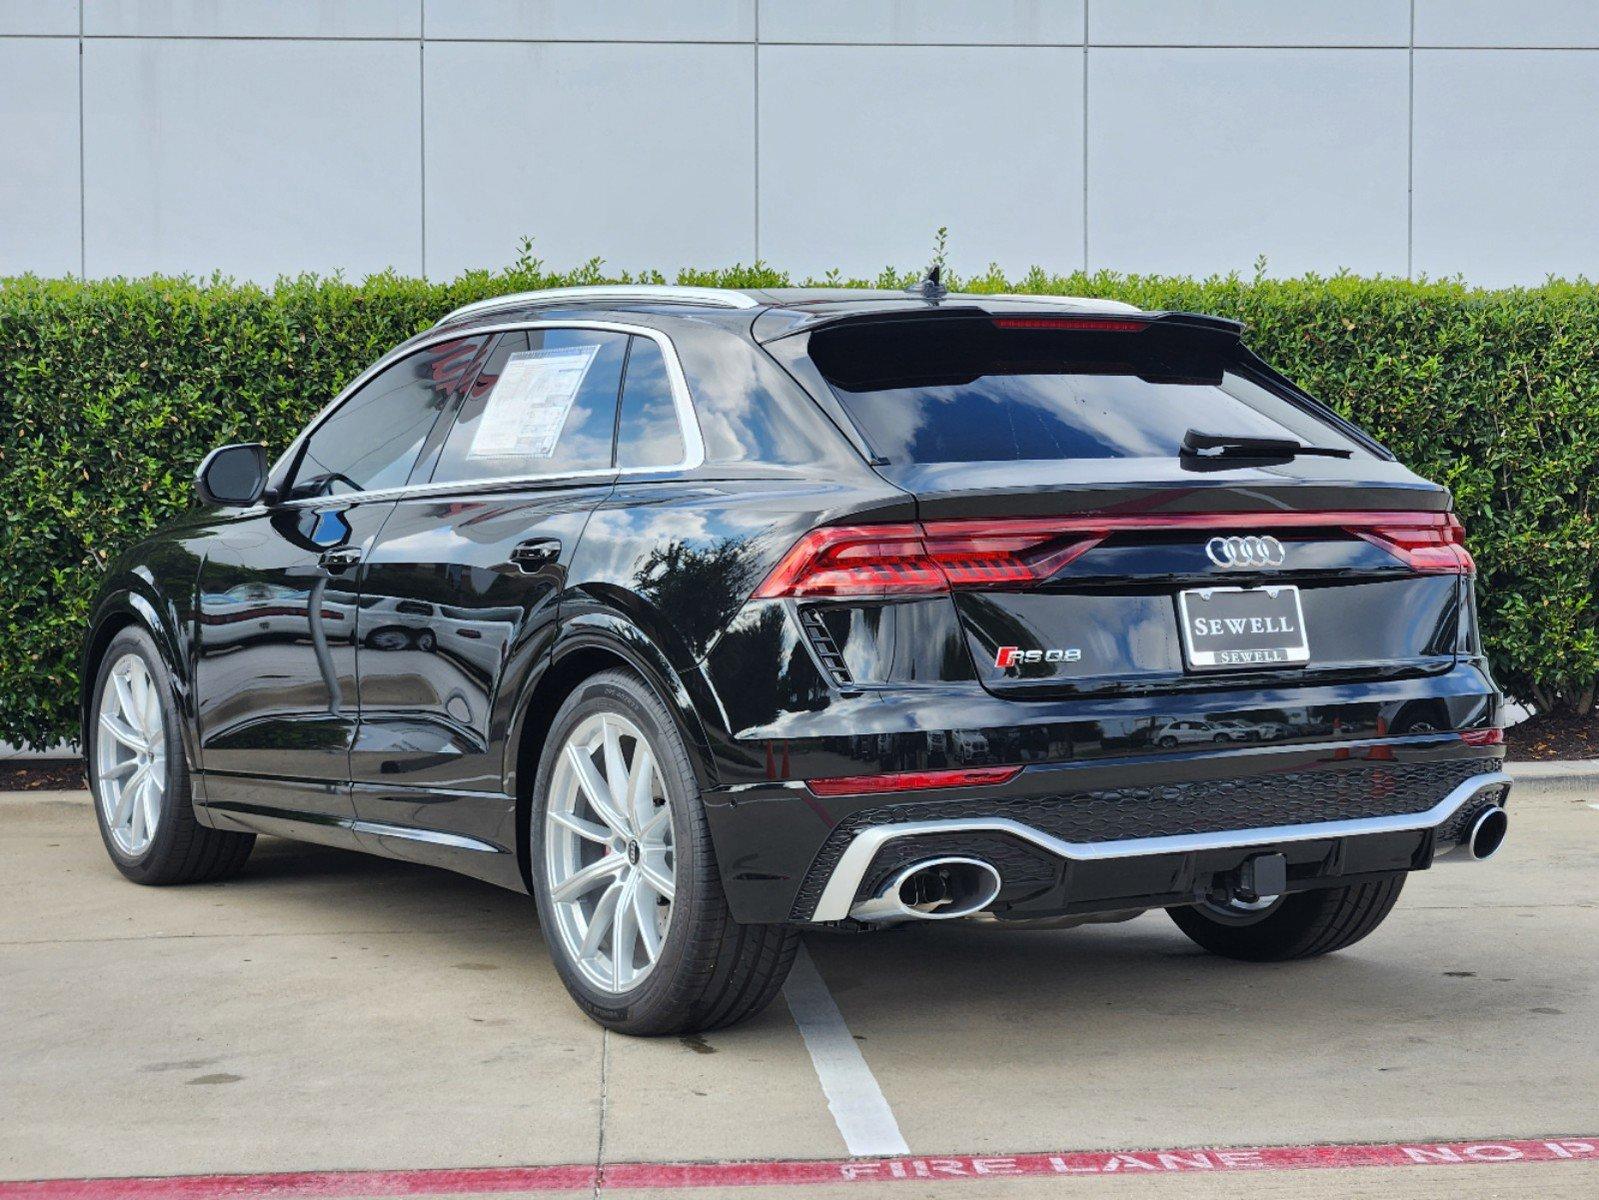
{"x": 528, "y": 407}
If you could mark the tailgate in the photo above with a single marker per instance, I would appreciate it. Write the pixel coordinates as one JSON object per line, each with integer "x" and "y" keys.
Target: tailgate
{"x": 1213, "y": 599}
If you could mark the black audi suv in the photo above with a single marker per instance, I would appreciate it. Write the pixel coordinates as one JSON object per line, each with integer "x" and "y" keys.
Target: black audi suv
{"x": 706, "y": 616}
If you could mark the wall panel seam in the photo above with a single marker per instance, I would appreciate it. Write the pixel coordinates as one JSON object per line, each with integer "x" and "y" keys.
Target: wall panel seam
{"x": 422, "y": 132}
{"x": 755, "y": 51}
{"x": 83, "y": 196}
{"x": 1085, "y": 136}
{"x": 1410, "y": 151}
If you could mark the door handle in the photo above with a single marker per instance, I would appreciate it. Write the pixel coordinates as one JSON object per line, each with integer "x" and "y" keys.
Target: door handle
{"x": 339, "y": 559}
{"x": 536, "y": 552}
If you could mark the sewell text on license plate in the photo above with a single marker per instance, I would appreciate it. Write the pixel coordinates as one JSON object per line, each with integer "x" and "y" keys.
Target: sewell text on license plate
{"x": 1243, "y": 627}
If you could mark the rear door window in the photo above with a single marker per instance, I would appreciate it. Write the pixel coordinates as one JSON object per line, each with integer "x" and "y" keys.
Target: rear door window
{"x": 965, "y": 390}
{"x": 543, "y": 404}
{"x": 647, "y": 431}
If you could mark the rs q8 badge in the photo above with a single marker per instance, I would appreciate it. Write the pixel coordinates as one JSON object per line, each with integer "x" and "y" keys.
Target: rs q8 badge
{"x": 1010, "y": 656}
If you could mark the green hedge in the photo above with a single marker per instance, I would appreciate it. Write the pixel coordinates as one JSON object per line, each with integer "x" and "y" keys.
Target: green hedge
{"x": 112, "y": 391}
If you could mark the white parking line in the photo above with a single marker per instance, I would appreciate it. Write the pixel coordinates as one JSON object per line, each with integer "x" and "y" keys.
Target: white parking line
{"x": 858, "y": 1105}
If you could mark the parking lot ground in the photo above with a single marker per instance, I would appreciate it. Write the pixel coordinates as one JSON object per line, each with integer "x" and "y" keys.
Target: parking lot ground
{"x": 329, "y": 1012}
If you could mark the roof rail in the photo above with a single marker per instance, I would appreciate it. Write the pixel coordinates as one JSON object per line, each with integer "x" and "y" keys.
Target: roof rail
{"x": 661, "y": 293}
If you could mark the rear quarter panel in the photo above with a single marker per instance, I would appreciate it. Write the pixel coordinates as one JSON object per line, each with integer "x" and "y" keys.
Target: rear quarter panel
{"x": 670, "y": 564}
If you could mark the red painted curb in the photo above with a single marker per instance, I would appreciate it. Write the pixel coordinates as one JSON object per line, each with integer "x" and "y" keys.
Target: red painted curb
{"x": 1065, "y": 1164}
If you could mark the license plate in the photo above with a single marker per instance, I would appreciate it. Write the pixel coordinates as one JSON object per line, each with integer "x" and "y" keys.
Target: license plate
{"x": 1243, "y": 627}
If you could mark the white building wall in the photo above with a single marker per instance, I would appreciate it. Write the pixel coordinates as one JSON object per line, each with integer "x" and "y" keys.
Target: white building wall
{"x": 262, "y": 137}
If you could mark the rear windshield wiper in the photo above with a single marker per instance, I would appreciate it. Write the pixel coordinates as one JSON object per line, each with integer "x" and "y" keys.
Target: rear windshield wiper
{"x": 1241, "y": 445}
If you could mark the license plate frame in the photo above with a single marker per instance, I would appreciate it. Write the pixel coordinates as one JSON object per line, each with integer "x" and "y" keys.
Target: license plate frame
{"x": 1213, "y": 655}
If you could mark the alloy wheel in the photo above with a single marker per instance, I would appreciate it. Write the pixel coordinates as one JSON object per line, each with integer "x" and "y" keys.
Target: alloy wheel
{"x": 608, "y": 852}
{"x": 131, "y": 755}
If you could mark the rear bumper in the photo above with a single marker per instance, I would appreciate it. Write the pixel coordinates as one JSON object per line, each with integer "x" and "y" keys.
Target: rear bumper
{"x": 1109, "y": 835}
{"x": 855, "y": 868}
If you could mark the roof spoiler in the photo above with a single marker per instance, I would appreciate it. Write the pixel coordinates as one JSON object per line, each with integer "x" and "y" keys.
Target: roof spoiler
{"x": 775, "y": 324}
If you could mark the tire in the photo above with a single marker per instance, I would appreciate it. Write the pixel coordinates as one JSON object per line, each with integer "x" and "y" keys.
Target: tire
{"x": 1300, "y": 925}
{"x": 709, "y": 971}
{"x": 181, "y": 850}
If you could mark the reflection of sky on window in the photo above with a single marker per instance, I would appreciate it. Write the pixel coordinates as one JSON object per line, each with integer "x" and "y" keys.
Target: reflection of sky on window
{"x": 651, "y": 438}
{"x": 1066, "y": 416}
{"x": 723, "y": 387}
{"x": 647, "y": 431}
{"x": 747, "y": 406}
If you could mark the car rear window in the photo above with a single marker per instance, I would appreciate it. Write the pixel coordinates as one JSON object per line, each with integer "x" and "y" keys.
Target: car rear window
{"x": 966, "y": 390}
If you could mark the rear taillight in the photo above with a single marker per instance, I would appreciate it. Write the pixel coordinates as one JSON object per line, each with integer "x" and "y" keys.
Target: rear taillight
{"x": 930, "y": 558}
{"x": 936, "y": 557}
{"x": 1483, "y": 737}
{"x": 1431, "y": 542}
{"x": 912, "y": 781}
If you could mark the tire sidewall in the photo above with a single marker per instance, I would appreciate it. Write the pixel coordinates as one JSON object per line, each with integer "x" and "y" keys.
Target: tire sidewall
{"x": 134, "y": 640}
{"x": 614, "y": 691}
{"x": 1302, "y": 925}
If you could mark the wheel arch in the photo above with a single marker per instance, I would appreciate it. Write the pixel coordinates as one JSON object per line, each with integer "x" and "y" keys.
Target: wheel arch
{"x": 122, "y": 609}
{"x": 588, "y": 645}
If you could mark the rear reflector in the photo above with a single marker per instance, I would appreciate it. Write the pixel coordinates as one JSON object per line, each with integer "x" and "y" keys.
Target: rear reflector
{"x": 1483, "y": 737}
{"x": 912, "y": 781}
{"x": 936, "y": 557}
{"x": 1082, "y": 324}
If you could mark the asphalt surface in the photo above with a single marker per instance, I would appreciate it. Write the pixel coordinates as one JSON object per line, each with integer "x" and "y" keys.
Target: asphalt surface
{"x": 330, "y": 1012}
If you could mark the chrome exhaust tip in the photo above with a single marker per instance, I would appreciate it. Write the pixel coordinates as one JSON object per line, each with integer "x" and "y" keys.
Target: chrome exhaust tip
{"x": 1481, "y": 839}
{"x": 1487, "y": 833}
{"x": 935, "y": 889}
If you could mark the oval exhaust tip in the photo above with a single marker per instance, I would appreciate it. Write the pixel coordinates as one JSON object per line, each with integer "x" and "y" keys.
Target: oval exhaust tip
{"x": 1488, "y": 833}
{"x": 946, "y": 888}
{"x": 935, "y": 889}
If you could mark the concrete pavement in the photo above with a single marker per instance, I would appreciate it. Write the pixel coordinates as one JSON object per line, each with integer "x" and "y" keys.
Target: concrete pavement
{"x": 328, "y": 1011}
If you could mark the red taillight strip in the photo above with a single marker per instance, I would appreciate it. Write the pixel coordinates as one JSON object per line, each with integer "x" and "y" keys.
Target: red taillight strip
{"x": 934, "y": 557}
{"x": 1483, "y": 737}
{"x": 839, "y": 560}
{"x": 1430, "y": 546}
{"x": 912, "y": 781}
{"x": 925, "y": 559}
{"x": 1085, "y": 324}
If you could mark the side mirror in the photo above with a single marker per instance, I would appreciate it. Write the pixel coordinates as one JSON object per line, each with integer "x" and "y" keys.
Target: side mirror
{"x": 234, "y": 476}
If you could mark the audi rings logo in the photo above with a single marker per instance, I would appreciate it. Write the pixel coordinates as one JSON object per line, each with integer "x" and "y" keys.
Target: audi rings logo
{"x": 1246, "y": 551}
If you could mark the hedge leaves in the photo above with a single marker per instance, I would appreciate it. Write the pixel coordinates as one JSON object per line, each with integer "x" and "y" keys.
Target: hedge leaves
{"x": 111, "y": 392}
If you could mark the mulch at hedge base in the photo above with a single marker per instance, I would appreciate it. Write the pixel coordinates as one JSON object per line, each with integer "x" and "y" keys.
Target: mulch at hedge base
{"x": 41, "y": 775}
{"x": 1547, "y": 737}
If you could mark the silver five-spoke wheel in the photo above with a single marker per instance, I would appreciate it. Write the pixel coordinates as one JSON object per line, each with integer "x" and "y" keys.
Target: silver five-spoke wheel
{"x": 131, "y": 755}
{"x": 608, "y": 857}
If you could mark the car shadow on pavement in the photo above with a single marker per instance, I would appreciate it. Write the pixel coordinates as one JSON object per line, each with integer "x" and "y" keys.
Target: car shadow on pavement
{"x": 1119, "y": 976}
{"x": 1130, "y": 981}
{"x": 276, "y": 859}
